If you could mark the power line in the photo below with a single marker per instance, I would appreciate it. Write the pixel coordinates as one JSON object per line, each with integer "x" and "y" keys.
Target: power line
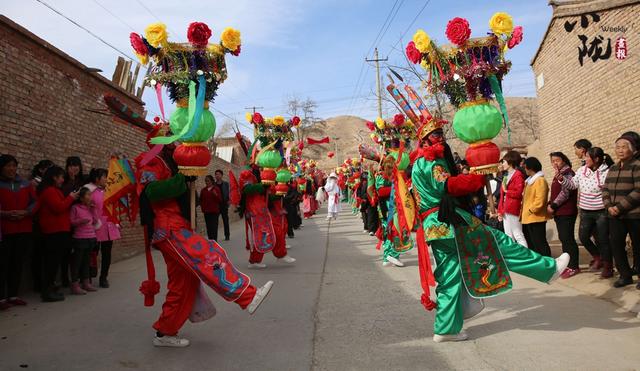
{"x": 87, "y": 31}
{"x": 115, "y": 16}
{"x": 389, "y": 24}
{"x": 375, "y": 41}
{"x": 411, "y": 24}
{"x": 154, "y": 16}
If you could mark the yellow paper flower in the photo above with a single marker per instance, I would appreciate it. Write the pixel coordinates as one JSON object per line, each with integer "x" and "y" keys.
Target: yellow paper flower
{"x": 144, "y": 59}
{"x": 424, "y": 64}
{"x": 501, "y": 24}
{"x": 215, "y": 49}
{"x": 422, "y": 41}
{"x": 278, "y": 121}
{"x": 230, "y": 38}
{"x": 380, "y": 123}
{"x": 156, "y": 34}
{"x": 248, "y": 116}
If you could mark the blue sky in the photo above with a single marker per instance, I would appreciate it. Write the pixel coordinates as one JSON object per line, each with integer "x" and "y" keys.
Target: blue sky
{"x": 304, "y": 48}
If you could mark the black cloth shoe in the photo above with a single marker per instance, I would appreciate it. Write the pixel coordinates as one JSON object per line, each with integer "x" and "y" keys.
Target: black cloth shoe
{"x": 622, "y": 282}
{"x": 104, "y": 283}
{"x": 51, "y": 296}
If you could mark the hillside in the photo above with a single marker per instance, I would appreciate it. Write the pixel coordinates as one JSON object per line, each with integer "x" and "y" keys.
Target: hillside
{"x": 346, "y": 132}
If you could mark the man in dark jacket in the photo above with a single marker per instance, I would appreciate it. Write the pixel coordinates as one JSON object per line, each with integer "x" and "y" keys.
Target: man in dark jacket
{"x": 224, "y": 204}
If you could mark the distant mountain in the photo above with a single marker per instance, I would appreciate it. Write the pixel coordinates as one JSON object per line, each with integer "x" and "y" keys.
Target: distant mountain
{"x": 346, "y": 132}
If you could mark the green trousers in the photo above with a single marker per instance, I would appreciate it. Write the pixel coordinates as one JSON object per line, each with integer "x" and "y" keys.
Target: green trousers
{"x": 388, "y": 250}
{"x": 519, "y": 259}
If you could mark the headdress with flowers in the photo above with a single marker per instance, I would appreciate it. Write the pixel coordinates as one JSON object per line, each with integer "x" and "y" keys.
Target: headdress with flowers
{"x": 191, "y": 72}
{"x": 469, "y": 71}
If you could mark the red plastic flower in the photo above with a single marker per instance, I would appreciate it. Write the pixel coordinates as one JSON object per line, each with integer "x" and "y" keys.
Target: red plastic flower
{"x": 138, "y": 44}
{"x": 413, "y": 53}
{"x": 516, "y": 37}
{"x": 295, "y": 120}
{"x": 198, "y": 34}
{"x": 237, "y": 51}
{"x": 398, "y": 119}
{"x": 458, "y": 31}
{"x": 370, "y": 125}
{"x": 257, "y": 118}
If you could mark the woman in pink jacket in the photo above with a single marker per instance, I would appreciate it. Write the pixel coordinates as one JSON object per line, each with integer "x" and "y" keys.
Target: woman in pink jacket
{"x": 106, "y": 231}
{"x": 510, "y": 201}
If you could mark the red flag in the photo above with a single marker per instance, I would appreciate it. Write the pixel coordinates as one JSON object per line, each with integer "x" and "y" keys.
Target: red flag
{"x": 318, "y": 141}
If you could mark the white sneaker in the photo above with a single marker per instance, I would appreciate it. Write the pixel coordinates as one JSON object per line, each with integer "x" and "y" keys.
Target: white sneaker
{"x": 562, "y": 262}
{"x": 395, "y": 261}
{"x": 256, "y": 266}
{"x": 365, "y": 231}
{"x": 386, "y": 264}
{"x": 261, "y": 294}
{"x": 444, "y": 338}
{"x": 287, "y": 259}
{"x": 170, "y": 341}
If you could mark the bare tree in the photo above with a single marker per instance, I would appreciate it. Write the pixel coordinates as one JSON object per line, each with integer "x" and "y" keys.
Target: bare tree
{"x": 227, "y": 129}
{"x": 294, "y": 104}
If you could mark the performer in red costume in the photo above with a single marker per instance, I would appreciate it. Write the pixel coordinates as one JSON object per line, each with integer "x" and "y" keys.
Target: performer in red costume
{"x": 190, "y": 258}
{"x": 265, "y": 222}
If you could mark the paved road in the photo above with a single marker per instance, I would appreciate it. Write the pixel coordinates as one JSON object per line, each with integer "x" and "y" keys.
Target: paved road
{"x": 337, "y": 308}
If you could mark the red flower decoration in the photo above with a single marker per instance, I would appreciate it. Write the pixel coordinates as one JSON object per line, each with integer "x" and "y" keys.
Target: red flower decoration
{"x": 413, "y": 53}
{"x": 198, "y": 34}
{"x": 370, "y": 125}
{"x": 237, "y": 51}
{"x": 458, "y": 31}
{"x": 257, "y": 118}
{"x": 516, "y": 37}
{"x": 295, "y": 120}
{"x": 138, "y": 44}
{"x": 398, "y": 119}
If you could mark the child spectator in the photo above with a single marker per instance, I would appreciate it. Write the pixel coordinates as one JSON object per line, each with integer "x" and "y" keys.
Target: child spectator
{"x": 83, "y": 220}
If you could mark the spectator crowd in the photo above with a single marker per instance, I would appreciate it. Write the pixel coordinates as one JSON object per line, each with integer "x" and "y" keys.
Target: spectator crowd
{"x": 603, "y": 194}
{"x": 54, "y": 225}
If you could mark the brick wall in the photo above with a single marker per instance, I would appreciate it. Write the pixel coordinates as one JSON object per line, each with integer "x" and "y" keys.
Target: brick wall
{"x": 599, "y": 100}
{"x": 45, "y": 98}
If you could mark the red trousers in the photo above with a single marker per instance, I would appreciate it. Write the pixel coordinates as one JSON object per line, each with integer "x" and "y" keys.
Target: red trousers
{"x": 280, "y": 226}
{"x": 182, "y": 288}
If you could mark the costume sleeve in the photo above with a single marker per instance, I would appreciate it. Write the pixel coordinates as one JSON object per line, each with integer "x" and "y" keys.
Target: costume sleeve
{"x": 572, "y": 183}
{"x": 606, "y": 196}
{"x": 384, "y": 191}
{"x": 160, "y": 190}
{"x": 464, "y": 184}
{"x": 253, "y": 189}
{"x": 632, "y": 200}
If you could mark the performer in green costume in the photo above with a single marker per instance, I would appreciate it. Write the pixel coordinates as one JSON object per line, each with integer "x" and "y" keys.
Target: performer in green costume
{"x": 384, "y": 187}
{"x": 472, "y": 260}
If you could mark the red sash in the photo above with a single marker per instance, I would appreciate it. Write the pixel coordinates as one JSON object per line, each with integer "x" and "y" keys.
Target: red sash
{"x": 424, "y": 263}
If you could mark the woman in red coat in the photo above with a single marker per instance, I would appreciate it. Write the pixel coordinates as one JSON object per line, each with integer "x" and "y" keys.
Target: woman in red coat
{"x": 210, "y": 199}
{"x": 510, "y": 202}
{"x": 55, "y": 224}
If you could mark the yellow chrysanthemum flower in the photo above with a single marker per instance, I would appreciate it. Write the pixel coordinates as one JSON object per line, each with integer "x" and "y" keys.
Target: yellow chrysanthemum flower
{"x": 230, "y": 38}
{"x": 380, "y": 123}
{"x": 422, "y": 41}
{"x": 424, "y": 64}
{"x": 248, "y": 116}
{"x": 215, "y": 49}
{"x": 156, "y": 34}
{"x": 278, "y": 121}
{"x": 501, "y": 24}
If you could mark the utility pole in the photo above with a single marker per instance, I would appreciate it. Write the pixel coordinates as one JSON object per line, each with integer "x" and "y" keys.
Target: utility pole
{"x": 378, "y": 84}
{"x": 254, "y": 108}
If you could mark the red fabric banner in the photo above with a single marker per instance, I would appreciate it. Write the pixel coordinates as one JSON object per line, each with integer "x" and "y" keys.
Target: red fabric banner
{"x": 318, "y": 141}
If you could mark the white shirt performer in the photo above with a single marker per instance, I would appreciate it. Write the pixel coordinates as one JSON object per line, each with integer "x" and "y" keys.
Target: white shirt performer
{"x": 334, "y": 194}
